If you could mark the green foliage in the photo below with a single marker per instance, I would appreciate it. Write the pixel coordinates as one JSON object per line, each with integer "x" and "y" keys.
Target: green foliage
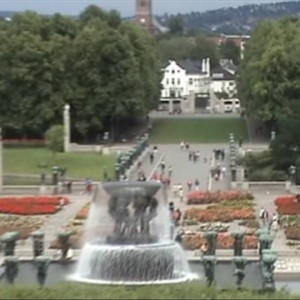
{"x": 195, "y": 130}
{"x": 230, "y": 50}
{"x": 269, "y": 82}
{"x": 174, "y": 47}
{"x": 267, "y": 174}
{"x": 193, "y": 290}
{"x": 79, "y": 165}
{"x": 176, "y": 25}
{"x": 106, "y": 69}
{"x": 55, "y": 138}
{"x": 261, "y": 167}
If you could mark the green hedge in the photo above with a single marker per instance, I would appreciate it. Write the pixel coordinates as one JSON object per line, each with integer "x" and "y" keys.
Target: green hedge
{"x": 179, "y": 291}
{"x": 266, "y": 175}
{"x": 16, "y": 145}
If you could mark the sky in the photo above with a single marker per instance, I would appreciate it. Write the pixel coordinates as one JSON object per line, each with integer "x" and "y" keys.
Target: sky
{"x": 125, "y": 7}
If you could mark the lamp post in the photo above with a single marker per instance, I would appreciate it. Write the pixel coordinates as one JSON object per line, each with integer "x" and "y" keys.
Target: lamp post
{"x": 67, "y": 128}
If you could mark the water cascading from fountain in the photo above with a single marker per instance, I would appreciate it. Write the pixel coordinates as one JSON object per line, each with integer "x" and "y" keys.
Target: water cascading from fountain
{"x": 127, "y": 238}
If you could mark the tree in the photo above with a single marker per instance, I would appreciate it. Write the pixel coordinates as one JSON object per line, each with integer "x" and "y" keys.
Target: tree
{"x": 55, "y": 138}
{"x": 175, "y": 48}
{"x": 104, "y": 68}
{"x": 204, "y": 48}
{"x": 176, "y": 25}
{"x": 269, "y": 75}
{"x": 93, "y": 12}
{"x": 229, "y": 50}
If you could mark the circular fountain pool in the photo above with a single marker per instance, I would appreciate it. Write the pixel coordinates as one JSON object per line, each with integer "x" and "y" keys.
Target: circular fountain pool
{"x": 133, "y": 264}
{"x": 128, "y": 238}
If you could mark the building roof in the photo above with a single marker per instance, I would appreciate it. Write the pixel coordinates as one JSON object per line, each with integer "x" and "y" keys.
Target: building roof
{"x": 228, "y": 65}
{"x": 219, "y": 74}
{"x": 191, "y": 66}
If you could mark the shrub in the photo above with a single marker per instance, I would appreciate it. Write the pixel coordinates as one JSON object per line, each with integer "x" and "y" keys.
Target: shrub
{"x": 266, "y": 174}
{"x": 55, "y": 138}
{"x": 292, "y": 233}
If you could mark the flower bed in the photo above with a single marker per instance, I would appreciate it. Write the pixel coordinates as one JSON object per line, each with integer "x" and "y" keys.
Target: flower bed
{"x": 206, "y": 197}
{"x": 24, "y": 225}
{"x": 224, "y": 241}
{"x": 35, "y": 205}
{"x": 287, "y": 205}
{"x": 218, "y": 214}
{"x": 83, "y": 213}
{"x": 292, "y": 233}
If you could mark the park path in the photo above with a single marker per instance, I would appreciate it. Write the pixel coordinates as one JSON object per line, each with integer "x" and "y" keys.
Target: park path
{"x": 54, "y": 223}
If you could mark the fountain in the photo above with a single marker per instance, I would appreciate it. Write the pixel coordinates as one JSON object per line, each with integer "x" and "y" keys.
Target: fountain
{"x": 128, "y": 239}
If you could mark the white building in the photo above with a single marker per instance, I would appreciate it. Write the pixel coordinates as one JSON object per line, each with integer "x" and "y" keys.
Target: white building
{"x": 223, "y": 81}
{"x": 184, "y": 81}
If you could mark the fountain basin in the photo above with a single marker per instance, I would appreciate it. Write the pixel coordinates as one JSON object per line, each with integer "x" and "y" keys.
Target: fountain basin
{"x": 158, "y": 263}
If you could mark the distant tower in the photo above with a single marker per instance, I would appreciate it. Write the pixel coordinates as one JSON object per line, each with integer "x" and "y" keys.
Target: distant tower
{"x": 144, "y": 15}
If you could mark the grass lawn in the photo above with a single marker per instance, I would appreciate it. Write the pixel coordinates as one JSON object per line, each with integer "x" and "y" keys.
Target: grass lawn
{"x": 197, "y": 130}
{"x": 79, "y": 165}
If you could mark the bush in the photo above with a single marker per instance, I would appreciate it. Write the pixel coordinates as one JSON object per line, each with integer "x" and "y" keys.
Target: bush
{"x": 266, "y": 175}
{"x": 24, "y": 143}
{"x": 55, "y": 138}
{"x": 292, "y": 233}
{"x": 255, "y": 160}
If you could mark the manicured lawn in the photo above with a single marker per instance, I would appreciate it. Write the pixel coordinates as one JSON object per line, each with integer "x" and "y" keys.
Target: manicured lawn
{"x": 197, "y": 130}
{"x": 79, "y": 165}
{"x": 194, "y": 290}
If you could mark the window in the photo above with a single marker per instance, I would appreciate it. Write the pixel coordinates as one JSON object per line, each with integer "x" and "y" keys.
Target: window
{"x": 178, "y": 71}
{"x": 173, "y": 71}
{"x": 172, "y": 94}
{"x": 231, "y": 83}
{"x": 167, "y": 81}
{"x": 173, "y": 81}
{"x": 191, "y": 81}
{"x": 178, "y": 81}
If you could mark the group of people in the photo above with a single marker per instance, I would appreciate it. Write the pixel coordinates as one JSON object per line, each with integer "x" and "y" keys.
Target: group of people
{"x": 219, "y": 154}
{"x": 273, "y": 222}
{"x": 184, "y": 145}
{"x": 218, "y": 172}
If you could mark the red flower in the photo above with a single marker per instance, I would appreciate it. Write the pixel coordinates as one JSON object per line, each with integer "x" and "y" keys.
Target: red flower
{"x": 35, "y": 205}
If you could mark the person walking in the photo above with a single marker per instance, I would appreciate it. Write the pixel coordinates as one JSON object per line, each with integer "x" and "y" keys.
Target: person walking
{"x": 182, "y": 144}
{"x": 189, "y": 185}
{"x": 181, "y": 194}
{"x": 197, "y": 185}
{"x": 162, "y": 166}
{"x": 170, "y": 171}
{"x": 151, "y": 157}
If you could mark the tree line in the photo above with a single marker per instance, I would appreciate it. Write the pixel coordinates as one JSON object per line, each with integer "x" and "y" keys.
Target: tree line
{"x": 179, "y": 43}
{"x": 269, "y": 85}
{"x": 107, "y": 70}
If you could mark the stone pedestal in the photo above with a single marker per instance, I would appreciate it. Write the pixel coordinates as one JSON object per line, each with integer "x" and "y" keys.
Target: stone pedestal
{"x": 240, "y": 174}
{"x": 67, "y": 128}
{"x": 42, "y": 264}
{"x": 9, "y": 240}
{"x": 209, "y": 263}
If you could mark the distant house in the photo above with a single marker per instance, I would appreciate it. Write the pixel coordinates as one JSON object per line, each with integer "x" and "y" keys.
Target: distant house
{"x": 183, "y": 82}
{"x": 228, "y": 65}
{"x": 223, "y": 81}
